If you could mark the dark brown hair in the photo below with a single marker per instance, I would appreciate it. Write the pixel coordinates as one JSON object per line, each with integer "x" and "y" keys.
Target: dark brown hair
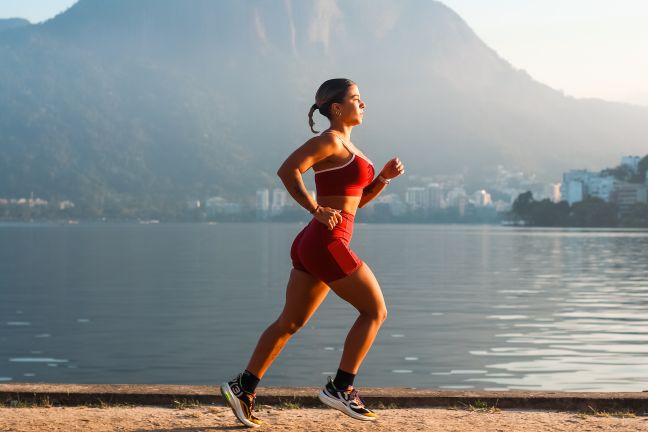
{"x": 330, "y": 92}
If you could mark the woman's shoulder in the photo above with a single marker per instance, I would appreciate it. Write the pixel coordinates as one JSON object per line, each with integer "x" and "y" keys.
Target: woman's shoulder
{"x": 325, "y": 140}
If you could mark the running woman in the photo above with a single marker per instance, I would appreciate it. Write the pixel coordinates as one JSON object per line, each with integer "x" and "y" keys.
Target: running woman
{"x": 320, "y": 253}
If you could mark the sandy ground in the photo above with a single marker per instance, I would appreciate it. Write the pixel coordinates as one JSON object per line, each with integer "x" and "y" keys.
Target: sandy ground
{"x": 218, "y": 418}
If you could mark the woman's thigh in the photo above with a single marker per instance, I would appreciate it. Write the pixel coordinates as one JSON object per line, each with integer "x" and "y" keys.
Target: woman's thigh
{"x": 362, "y": 290}
{"x": 304, "y": 294}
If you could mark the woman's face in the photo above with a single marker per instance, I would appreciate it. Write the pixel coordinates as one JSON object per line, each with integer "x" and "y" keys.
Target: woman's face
{"x": 352, "y": 108}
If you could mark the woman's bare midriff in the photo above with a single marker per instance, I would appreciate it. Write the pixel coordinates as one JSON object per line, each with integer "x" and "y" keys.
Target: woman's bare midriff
{"x": 341, "y": 202}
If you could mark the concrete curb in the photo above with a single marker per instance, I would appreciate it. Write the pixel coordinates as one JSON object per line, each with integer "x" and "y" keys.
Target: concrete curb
{"x": 165, "y": 395}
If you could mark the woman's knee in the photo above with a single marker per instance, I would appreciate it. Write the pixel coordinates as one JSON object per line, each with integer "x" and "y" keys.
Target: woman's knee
{"x": 290, "y": 325}
{"x": 378, "y": 314}
{"x": 383, "y": 314}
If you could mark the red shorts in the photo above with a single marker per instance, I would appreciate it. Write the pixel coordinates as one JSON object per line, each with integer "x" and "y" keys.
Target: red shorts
{"x": 325, "y": 253}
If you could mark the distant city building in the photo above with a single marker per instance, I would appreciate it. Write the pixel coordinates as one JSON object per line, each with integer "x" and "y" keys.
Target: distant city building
{"x": 631, "y": 161}
{"x": 626, "y": 195}
{"x": 417, "y": 197}
{"x": 435, "y": 196}
{"x": 262, "y": 203}
{"x": 457, "y": 197}
{"x": 482, "y": 198}
{"x": 30, "y": 202}
{"x": 573, "y": 192}
{"x": 62, "y": 205}
{"x": 391, "y": 201}
{"x": 551, "y": 191}
{"x": 193, "y": 204}
{"x": 578, "y": 185}
{"x": 279, "y": 201}
{"x": 601, "y": 187}
{"x": 220, "y": 206}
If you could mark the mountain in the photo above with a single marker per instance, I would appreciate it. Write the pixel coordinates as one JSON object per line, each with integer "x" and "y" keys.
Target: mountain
{"x": 12, "y": 23}
{"x": 123, "y": 105}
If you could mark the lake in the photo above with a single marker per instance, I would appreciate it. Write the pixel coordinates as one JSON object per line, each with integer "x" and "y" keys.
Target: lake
{"x": 470, "y": 307}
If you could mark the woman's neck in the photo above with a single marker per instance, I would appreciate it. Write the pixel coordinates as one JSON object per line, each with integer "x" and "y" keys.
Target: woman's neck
{"x": 342, "y": 129}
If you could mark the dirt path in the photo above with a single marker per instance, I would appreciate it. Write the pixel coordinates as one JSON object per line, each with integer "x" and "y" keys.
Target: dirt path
{"x": 220, "y": 418}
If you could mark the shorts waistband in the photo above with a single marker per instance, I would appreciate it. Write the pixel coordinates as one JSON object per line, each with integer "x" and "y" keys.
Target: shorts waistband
{"x": 346, "y": 215}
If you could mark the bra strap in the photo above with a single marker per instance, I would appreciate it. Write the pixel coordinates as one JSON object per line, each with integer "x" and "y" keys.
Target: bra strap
{"x": 341, "y": 140}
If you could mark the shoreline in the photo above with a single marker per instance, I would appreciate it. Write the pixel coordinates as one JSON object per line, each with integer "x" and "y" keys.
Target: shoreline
{"x": 27, "y": 394}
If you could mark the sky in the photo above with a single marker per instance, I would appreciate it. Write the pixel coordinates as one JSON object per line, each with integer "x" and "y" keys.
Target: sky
{"x": 585, "y": 48}
{"x": 34, "y": 10}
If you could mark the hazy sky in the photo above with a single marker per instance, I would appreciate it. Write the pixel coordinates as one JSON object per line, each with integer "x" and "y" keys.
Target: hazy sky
{"x": 33, "y": 10}
{"x": 586, "y": 48}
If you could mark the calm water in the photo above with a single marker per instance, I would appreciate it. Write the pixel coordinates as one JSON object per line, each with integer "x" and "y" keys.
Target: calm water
{"x": 469, "y": 307}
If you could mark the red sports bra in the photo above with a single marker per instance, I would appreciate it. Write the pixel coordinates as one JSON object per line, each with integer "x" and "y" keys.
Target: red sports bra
{"x": 346, "y": 180}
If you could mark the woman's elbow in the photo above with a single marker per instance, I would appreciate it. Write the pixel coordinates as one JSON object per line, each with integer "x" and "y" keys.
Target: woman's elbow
{"x": 284, "y": 171}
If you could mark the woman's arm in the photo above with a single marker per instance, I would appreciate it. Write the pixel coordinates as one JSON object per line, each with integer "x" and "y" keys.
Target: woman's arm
{"x": 290, "y": 172}
{"x": 294, "y": 183}
{"x": 392, "y": 169}
{"x": 371, "y": 191}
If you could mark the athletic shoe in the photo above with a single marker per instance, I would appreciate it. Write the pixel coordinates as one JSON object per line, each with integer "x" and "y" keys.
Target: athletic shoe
{"x": 241, "y": 402}
{"x": 348, "y": 401}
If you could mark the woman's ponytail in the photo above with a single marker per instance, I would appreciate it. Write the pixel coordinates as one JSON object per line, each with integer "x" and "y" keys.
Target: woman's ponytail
{"x": 311, "y": 122}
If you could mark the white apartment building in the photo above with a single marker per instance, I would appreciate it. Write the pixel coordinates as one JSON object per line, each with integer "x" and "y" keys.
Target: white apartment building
{"x": 573, "y": 191}
{"x": 279, "y": 201}
{"x": 601, "y": 187}
{"x": 435, "y": 196}
{"x": 262, "y": 203}
{"x": 578, "y": 185}
{"x": 626, "y": 195}
{"x": 416, "y": 197}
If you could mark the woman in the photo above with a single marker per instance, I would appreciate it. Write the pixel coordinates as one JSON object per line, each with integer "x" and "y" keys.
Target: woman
{"x": 344, "y": 181}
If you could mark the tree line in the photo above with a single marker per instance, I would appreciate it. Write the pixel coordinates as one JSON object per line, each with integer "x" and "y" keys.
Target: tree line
{"x": 591, "y": 212}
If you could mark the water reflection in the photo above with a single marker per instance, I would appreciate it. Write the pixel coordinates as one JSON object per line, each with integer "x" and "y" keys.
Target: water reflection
{"x": 590, "y": 332}
{"x": 469, "y": 307}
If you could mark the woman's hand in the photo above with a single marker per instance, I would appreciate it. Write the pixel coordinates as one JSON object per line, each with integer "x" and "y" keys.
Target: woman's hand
{"x": 328, "y": 216}
{"x": 392, "y": 169}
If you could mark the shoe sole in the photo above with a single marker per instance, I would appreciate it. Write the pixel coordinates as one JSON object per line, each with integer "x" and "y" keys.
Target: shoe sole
{"x": 234, "y": 403}
{"x": 340, "y": 406}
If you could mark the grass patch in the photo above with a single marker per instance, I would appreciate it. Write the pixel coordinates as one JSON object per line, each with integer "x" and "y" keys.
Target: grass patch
{"x": 43, "y": 402}
{"x": 480, "y": 406}
{"x": 185, "y": 403}
{"x": 381, "y": 405}
{"x": 603, "y": 413}
{"x": 100, "y": 403}
{"x": 288, "y": 404}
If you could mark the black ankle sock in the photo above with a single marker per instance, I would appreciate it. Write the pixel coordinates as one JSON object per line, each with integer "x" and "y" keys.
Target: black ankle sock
{"x": 343, "y": 379}
{"x": 249, "y": 381}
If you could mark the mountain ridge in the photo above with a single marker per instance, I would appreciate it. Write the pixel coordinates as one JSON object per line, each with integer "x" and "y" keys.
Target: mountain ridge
{"x": 153, "y": 102}
{"x": 13, "y": 23}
